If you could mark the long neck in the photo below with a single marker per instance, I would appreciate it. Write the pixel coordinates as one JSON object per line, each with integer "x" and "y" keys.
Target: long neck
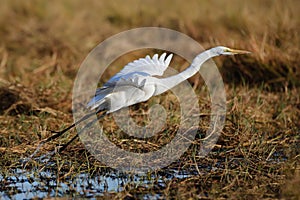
{"x": 172, "y": 81}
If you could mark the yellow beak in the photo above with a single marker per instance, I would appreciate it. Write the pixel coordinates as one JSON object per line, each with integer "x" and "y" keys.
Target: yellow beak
{"x": 236, "y": 51}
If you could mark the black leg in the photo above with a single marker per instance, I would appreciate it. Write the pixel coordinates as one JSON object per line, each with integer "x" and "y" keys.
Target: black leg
{"x": 86, "y": 126}
{"x": 59, "y": 133}
{"x": 63, "y": 147}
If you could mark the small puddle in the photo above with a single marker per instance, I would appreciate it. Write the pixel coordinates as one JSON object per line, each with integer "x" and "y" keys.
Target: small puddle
{"x": 33, "y": 184}
{"x": 25, "y": 184}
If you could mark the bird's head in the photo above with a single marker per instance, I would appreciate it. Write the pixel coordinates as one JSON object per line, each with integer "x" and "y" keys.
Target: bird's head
{"x": 220, "y": 50}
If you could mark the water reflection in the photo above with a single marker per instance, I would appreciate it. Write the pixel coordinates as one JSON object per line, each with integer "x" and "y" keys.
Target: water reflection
{"x": 24, "y": 184}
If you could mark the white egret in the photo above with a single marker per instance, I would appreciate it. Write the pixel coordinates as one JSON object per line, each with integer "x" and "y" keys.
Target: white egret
{"x": 136, "y": 83}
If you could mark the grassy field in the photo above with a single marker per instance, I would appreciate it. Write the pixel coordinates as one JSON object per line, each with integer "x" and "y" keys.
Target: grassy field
{"x": 43, "y": 43}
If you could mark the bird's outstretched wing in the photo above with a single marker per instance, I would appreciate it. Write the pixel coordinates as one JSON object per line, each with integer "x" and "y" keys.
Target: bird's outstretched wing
{"x": 132, "y": 75}
{"x": 147, "y": 66}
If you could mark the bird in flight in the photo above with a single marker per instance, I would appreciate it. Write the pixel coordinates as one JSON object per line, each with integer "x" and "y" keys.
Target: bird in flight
{"x": 137, "y": 82}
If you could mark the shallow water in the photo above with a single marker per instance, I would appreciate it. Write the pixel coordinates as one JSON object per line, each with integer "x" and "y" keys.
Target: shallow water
{"x": 22, "y": 184}
{"x": 27, "y": 184}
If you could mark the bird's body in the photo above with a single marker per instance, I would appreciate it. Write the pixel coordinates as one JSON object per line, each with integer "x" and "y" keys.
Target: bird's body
{"x": 137, "y": 82}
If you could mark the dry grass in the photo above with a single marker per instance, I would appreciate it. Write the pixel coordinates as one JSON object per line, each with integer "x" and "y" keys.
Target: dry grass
{"x": 257, "y": 156}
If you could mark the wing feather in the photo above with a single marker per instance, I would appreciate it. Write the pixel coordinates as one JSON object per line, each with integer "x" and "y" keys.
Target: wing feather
{"x": 132, "y": 75}
{"x": 147, "y": 66}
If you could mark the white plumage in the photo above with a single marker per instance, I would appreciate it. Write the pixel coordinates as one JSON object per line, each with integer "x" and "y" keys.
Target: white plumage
{"x": 136, "y": 82}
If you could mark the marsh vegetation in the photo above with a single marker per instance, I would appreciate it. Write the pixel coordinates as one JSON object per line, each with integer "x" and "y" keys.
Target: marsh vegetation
{"x": 257, "y": 155}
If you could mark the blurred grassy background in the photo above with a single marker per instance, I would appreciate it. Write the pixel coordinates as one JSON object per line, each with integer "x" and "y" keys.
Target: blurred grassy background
{"x": 61, "y": 33}
{"x": 42, "y": 44}
{"x": 50, "y": 39}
